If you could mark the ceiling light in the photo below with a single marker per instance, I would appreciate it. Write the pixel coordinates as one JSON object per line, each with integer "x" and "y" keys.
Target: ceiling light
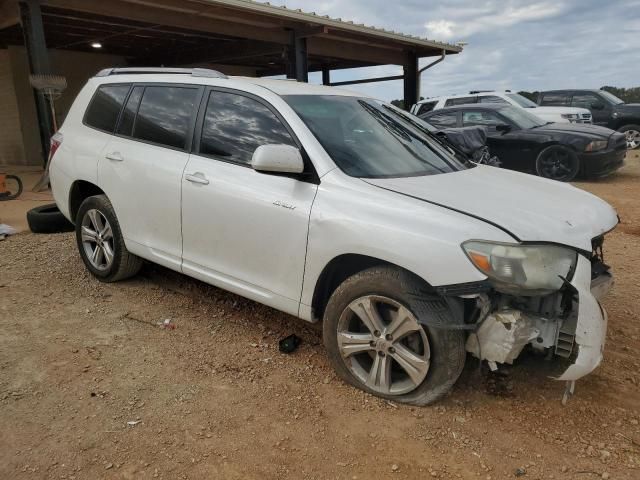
{"x": 96, "y": 45}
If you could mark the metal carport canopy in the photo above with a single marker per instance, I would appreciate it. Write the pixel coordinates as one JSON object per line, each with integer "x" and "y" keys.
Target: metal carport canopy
{"x": 341, "y": 44}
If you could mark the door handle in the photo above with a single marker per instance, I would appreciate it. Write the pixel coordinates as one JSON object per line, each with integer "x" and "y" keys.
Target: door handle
{"x": 114, "y": 156}
{"x": 196, "y": 177}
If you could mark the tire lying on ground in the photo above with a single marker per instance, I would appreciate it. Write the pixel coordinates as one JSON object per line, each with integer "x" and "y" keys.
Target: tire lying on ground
{"x": 48, "y": 219}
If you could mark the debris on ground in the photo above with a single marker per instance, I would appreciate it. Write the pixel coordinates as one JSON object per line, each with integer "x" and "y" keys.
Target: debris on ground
{"x": 289, "y": 344}
{"x": 6, "y": 230}
{"x": 167, "y": 324}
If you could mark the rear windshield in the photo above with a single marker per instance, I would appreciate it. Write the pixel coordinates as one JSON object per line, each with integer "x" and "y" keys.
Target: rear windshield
{"x": 367, "y": 138}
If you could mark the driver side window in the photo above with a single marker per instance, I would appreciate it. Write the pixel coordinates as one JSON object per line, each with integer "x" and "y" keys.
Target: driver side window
{"x": 235, "y": 126}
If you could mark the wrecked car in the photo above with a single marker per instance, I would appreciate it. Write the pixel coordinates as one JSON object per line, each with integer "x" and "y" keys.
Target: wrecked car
{"x": 336, "y": 208}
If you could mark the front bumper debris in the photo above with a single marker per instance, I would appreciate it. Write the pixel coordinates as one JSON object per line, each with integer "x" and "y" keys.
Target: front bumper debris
{"x": 591, "y": 320}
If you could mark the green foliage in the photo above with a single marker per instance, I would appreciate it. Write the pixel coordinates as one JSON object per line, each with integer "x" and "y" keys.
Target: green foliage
{"x": 629, "y": 95}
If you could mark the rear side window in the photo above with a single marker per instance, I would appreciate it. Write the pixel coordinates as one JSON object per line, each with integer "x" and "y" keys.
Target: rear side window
{"x": 460, "y": 101}
{"x": 235, "y": 125}
{"x": 443, "y": 120}
{"x": 129, "y": 114}
{"x": 105, "y": 106}
{"x": 555, "y": 99}
{"x": 165, "y": 114}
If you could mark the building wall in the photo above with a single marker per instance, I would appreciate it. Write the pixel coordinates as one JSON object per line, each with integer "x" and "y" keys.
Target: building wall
{"x": 76, "y": 67}
{"x": 19, "y": 139}
{"x": 11, "y": 151}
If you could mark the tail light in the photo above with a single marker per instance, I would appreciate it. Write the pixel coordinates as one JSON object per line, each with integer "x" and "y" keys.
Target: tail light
{"x": 56, "y": 141}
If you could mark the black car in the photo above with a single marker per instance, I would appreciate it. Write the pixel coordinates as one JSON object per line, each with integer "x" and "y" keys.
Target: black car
{"x": 524, "y": 142}
{"x": 607, "y": 110}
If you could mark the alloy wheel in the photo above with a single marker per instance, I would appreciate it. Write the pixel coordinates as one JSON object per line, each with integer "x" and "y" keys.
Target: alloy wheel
{"x": 557, "y": 164}
{"x": 97, "y": 239}
{"x": 383, "y": 345}
{"x": 633, "y": 139}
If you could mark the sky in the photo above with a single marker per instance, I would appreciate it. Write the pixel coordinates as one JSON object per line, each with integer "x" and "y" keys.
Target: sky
{"x": 512, "y": 44}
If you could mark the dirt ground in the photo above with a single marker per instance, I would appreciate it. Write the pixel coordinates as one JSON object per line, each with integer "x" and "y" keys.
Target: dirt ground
{"x": 213, "y": 398}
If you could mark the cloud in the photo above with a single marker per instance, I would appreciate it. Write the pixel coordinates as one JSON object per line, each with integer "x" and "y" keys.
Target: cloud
{"x": 516, "y": 44}
{"x": 491, "y": 17}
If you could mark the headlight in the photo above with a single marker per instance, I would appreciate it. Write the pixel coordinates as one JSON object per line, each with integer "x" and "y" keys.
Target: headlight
{"x": 522, "y": 269}
{"x": 570, "y": 116}
{"x": 596, "y": 145}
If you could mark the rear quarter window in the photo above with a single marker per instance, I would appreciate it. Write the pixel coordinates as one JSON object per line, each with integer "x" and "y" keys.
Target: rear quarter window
{"x": 105, "y": 106}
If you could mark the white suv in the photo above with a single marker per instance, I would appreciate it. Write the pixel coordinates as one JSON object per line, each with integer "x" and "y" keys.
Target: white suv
{"x": 548, "y": 114}
{"x": 339, "y": 208}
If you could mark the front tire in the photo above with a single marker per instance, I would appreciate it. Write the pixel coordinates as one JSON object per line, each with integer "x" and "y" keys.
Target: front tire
{"x": 632, "y": 132}
{"x": 557, "y": 162}
{"x": 376, "y": 338}
{"x": 100, "y": 241}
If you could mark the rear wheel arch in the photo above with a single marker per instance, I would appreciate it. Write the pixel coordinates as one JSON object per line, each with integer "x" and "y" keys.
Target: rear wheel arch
{"x": 338, "y": 270}
{"x": 81, "y": 190}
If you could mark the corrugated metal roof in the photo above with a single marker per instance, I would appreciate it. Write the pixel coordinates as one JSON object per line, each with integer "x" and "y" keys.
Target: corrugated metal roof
{"x": 336, "y": 23}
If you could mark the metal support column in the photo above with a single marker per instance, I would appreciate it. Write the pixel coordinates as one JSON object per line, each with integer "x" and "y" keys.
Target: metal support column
{"x": 34, "y": 40}
{"x": 410, "y": 81}
{"x": 297, "y": 66}
{"x": 302, "y": 69}
{"x": 326, "y": 76}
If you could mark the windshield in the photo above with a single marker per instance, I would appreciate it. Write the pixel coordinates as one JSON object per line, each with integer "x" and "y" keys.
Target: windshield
{"x": 611, "y": 98}
{"x": 524, "y": 102}
{"x": 522, "y": 118}
{"x": 367, "y": 138}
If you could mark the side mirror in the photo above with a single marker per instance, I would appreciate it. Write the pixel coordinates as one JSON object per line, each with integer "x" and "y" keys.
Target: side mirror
{"x": 503, "y": 127}
{"x": 277, "y": 159}
{"x": 597, "y": 106}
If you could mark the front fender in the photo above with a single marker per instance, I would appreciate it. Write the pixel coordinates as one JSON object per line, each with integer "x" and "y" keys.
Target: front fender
{"x": 350, "y": 216}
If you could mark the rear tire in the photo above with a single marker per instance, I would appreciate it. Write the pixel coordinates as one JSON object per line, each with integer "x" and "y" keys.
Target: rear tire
{"x": 632, "y": 132}
{"x": 101, "y": 243}
{"x": 557, "y": 162}
{"x": 395, "y": 294}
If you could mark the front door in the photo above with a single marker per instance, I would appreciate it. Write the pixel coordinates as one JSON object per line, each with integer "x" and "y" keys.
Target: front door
{"x": 600, "y": 109}
{"x": 242, "y": 230}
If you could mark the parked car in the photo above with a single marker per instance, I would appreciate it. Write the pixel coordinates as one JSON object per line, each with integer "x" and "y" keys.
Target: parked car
{"x": 607, "y": 109}
{"x": 524, "y": 142}
{"x": 562, "y": 114}
{"x": 339, "y": 208}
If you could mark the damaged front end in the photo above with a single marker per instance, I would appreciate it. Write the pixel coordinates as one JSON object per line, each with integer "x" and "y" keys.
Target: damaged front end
{"x": 523, "y": 306}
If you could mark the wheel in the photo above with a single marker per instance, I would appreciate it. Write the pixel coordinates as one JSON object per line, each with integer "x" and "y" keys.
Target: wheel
{"x": 13, "y": 187}
{"x": 375, "y": 337}
{"x": 632, "y": 132}
{"x": 48, "y": 219}
{"x": 100, "y": 241}
{"x": 558, "y": 163}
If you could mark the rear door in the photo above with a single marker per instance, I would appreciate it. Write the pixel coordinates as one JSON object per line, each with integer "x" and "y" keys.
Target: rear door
{"x": 142, "y": 167}
{"x": 244, "y": 231}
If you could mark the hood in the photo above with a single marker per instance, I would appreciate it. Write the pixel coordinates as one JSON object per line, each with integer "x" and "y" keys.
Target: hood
{"x": 628, "y": 107}
{"x": 530, "y": 208}
{"x": 592, "y": 132}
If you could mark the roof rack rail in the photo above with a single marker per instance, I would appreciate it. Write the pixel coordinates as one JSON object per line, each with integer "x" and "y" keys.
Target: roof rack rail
{"x": 195, "y": 72}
